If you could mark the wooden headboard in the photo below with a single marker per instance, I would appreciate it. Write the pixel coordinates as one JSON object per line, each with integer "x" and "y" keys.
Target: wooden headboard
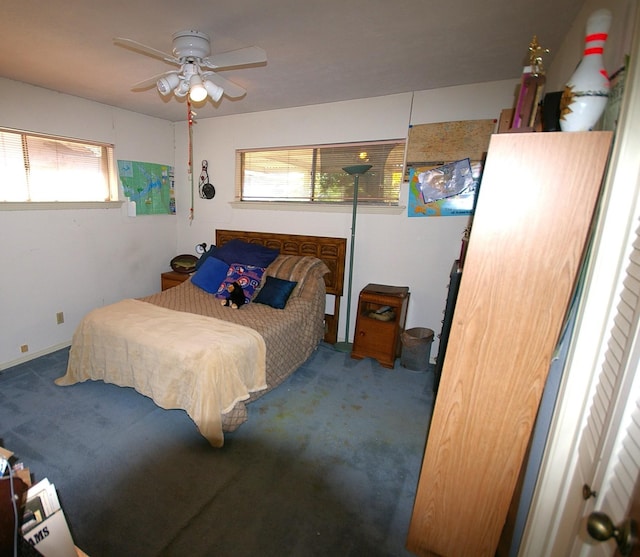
{"x": 330, "y": 250}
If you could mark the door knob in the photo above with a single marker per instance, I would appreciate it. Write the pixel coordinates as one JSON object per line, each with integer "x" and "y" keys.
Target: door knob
{"x": 588, "y": 492}
{"x": 601, "y": 528}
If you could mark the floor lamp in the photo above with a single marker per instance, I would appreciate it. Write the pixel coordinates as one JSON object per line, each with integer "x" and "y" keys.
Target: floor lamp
{"x": 356, "y": 171}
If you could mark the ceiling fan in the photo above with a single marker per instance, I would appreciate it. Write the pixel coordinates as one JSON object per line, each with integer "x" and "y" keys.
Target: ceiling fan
{"x": 197, "y": 74}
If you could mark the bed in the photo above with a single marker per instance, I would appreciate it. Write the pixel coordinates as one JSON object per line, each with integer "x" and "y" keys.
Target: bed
{"x": 185, "y": 350}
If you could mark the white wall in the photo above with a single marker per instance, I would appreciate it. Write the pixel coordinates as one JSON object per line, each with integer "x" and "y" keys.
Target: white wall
{"x": 75, "y": 260}
{"x": 390, "y": 248}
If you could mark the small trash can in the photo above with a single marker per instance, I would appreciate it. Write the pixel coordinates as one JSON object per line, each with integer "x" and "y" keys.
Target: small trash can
{"x": 416, "y": 348}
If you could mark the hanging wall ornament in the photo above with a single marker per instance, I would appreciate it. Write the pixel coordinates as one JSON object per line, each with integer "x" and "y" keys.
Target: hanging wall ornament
{"x": 585, "y": 95}
{"x": 207, "y": 191}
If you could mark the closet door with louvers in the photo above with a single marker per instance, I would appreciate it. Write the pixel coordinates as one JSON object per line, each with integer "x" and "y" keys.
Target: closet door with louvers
{"x": 594, "y": 438}
{"x": 609, "y": 450}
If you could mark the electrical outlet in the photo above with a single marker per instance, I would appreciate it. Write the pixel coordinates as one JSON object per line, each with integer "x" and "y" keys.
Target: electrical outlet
{"x": 60, "y": 318}
{"x": 24, "y": 348}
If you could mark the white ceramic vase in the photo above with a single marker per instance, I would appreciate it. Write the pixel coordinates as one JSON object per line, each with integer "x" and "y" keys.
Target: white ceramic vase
{"x": 585, "y": 95}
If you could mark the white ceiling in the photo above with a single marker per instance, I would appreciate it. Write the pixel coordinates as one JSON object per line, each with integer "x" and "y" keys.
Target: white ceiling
{"x": 318, "y": 51}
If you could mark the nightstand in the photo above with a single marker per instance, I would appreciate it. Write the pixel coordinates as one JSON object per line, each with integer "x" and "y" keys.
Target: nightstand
{"x": 382, "y": 313}
{"x": 171, "y": 279}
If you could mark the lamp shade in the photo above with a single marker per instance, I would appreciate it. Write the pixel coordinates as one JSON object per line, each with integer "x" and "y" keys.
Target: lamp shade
{"x": 214, "y": 91}
{"x": 356, "y": 169}
{"x": 168, "y": 83}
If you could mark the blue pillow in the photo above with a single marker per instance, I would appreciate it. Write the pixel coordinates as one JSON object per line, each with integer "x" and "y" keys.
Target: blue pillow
{"x": 210, "y": 275}
{"x": 239, "y": 251}
{"x": 275, "y": 292}
{"x": 211, "y": 251}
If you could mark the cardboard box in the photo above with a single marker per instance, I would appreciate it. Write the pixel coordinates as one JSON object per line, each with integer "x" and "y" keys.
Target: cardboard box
{"x": 52, "y": 537}
{"x": 44, "y": 525}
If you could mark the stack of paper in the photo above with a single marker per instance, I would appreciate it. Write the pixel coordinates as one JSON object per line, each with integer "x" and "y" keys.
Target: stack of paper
{"x": 44, "y": 525}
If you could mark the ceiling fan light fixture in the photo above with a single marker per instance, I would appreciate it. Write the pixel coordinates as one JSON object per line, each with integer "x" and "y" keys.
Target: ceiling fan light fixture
{"x": 182, "y": 89}
{"x": 215, "y": 92}
{"x": 168, "y": 83}
{"x": 192, "y": 54}
{"x": 197, "y": 91}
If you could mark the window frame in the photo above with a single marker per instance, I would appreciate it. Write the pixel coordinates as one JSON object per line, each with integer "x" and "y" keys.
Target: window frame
{"x": 106, "y": 162}
{"x": 395, "y": 178}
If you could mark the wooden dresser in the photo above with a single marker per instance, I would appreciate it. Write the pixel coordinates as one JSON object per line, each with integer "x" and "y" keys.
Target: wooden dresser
{"x": 172, "y": 278}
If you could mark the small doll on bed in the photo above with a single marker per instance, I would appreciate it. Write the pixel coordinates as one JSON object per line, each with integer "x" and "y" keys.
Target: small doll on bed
{"x": 235, "y": 296}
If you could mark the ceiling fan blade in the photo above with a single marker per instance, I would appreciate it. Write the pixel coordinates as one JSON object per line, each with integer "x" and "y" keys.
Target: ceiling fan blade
{"x": 231, "y": 90}
{"x": 150, "y": 82}
{"x": 242, "y": 57}
{"x": 144, "y": 49}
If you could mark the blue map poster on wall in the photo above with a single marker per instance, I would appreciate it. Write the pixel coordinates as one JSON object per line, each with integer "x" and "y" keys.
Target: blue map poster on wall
{"x": 149, "y": 185}
{"x": 443, "y": 190}
{"x": 437, "y": 148}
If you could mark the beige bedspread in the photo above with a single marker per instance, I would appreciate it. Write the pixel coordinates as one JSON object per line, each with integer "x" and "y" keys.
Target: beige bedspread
{"x": 197, "y": 363}
{"x": 169, "y": 345}
{"x": 291, "y": 335}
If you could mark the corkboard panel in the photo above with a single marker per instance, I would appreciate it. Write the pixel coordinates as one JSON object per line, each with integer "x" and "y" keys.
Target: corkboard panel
{"x": 448, "y": 141}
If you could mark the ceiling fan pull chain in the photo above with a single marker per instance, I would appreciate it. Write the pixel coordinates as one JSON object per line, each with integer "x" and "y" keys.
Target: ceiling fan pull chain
{"x": 190, "y": 115}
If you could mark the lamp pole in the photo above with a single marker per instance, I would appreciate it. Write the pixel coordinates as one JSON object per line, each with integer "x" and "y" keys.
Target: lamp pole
{"x": 356, "y": 171}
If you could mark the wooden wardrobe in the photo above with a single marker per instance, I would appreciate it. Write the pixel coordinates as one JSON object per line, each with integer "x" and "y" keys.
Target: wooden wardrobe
{"x": 532, "y": 222}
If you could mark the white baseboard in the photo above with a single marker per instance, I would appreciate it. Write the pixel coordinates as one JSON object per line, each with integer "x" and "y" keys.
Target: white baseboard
{"x": 34, "y": 355}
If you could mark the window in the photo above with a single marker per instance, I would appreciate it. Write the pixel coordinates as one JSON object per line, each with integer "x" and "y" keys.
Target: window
{"x": 41, "y": 168}
{"x": 314, "y": 174}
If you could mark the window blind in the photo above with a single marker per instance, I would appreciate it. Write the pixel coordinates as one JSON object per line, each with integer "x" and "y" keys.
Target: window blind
{"x": 43, "y": 168}
{"x": 315, "y": 174}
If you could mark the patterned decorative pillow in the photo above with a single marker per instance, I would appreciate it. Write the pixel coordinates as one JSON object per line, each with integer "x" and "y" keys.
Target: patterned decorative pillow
{"x": 247, "y": 276}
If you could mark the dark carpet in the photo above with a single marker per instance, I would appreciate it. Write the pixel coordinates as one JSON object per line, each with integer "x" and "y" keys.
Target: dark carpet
{"x": 326, "y": 465}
